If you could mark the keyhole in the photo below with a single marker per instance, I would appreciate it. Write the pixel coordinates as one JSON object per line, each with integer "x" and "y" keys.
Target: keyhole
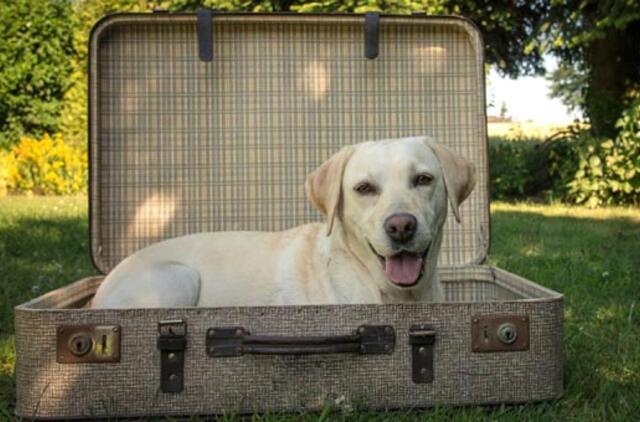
{"x": 80, "y": 344}
{"x": 507, "y": 333}
{"x": 104, "y": 343}
{"x": 485, "y": 334}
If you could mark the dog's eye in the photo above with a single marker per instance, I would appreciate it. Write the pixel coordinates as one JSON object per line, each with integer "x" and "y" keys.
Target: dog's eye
{"x": 365, "y": 188}
{"x": 422, "y": 179}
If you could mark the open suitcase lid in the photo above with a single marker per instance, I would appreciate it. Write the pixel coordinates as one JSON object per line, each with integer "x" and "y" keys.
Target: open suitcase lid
{"x": 191, "y": 136}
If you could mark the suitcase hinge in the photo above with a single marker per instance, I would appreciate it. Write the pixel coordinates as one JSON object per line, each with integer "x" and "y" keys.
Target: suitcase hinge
{"x": 422, "y": 339}
{"x": 172, "y": 343}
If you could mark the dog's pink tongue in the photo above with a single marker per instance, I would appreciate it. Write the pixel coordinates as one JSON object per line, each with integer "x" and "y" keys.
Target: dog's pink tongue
{"x": 403, "y": 268}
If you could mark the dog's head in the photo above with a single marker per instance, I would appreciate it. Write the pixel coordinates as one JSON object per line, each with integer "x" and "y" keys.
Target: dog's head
{"x": 390, "y": 198}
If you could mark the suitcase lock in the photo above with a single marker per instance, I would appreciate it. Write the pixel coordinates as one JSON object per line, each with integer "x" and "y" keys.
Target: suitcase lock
{"x": 88, "y": 343}
{"x": 499, "y": 333}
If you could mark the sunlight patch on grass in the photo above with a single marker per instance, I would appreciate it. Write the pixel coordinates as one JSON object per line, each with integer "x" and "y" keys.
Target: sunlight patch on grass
{"x": 532, "y": 249}
{"x": 568, "y": 314}
{"x": 605, "y": 314}
{"x": 561, "y": 210}
{"x": 623, "y": 376}
{"x": 622, "y": 314}
{"x": 521, "y": 130}
{"x": 7, "y": 355}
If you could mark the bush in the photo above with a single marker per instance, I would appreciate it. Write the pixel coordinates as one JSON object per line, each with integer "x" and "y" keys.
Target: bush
{"x": 46, "y": 166}
{"x": 595, "y": 171}
{"x": 574, "y": 168}
{"x": 517, "y": 168}
{"x": 4, "y": 173}
{"x": 34, "y": 66}
{"x": 73, "y": 118}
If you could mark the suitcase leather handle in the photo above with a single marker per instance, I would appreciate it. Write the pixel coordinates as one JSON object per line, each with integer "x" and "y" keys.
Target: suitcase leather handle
{"x": 236, "y": 341}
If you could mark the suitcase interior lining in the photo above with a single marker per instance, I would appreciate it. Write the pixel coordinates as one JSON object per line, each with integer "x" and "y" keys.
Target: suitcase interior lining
{"x": 181, "y": 146}
{"x": 461, "y": 285}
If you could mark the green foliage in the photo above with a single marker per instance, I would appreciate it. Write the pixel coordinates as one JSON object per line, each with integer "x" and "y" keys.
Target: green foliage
{"x": 517, "y": 168}
{"x": 596, "y": 171}
{"x": 586, "y": 21}
{"x": 34, "y": 66}
{"x": 73, "y": 121}
{"x": 576, "y": 167}
{"x": 45, "y": 166}
{"x": 568, "y": 84}
{"x": 596, "y": 42}
{"x": 4, "y": 173}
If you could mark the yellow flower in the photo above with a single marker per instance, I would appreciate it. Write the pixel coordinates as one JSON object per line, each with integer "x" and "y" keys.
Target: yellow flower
{"x": 46, "y": 166}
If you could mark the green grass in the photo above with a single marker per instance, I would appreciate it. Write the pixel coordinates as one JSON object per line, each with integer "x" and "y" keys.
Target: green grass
{"x": 592, "y": 256}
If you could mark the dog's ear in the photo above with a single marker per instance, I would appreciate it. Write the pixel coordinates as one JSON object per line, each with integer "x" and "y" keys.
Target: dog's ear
{"x": 459, "y": 175}
{"x": 324, "y": 185}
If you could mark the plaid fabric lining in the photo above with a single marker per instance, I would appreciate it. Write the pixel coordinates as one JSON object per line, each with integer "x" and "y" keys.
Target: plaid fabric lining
{"x": 182, "y": 146}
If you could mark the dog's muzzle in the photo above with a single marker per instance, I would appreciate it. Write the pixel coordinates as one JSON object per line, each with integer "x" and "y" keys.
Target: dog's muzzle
{"x": 404, "y": 268}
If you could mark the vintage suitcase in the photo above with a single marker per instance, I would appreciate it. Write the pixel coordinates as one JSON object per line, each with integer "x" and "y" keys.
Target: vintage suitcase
{"x": 202, "y": 122}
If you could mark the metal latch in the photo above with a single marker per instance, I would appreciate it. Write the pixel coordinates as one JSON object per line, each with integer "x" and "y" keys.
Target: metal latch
{"x": 236, "y": 341}
{"x": 172, "y": 342}
{"x": 88, "y": 344}
{"x": 422, "y": 339}
{"x": 499, "y": 333}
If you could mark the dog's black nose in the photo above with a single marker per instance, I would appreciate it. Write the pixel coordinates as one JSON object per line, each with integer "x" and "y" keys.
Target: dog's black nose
{"x": 401, "y": 227}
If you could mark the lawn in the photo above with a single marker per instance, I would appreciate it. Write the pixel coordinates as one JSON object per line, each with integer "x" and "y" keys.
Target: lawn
{"x": 592, "y": 256}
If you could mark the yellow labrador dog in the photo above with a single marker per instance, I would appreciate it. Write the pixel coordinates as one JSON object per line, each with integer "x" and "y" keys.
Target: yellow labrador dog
{"x": 385, "y": 203}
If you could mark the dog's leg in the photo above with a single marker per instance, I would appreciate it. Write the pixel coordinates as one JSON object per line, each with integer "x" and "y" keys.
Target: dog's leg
{"x": 163, "y": 285}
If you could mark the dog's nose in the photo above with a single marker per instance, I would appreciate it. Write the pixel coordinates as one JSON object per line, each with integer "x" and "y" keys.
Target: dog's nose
{"x": 401, "y": 227}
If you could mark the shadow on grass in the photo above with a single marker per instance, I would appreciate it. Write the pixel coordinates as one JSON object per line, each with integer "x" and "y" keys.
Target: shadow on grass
{"x": 7, "y": 377}
{"x": 38, "y": 255}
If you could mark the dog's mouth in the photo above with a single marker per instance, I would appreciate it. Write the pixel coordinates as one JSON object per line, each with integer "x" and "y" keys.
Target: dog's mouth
{"x": 404, "y": 268}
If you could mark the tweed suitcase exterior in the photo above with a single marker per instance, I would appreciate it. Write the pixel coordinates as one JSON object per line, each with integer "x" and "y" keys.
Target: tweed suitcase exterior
{"x": 202, "y": 122}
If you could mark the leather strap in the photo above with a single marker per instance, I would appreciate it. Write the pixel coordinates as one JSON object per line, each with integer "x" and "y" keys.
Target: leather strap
{"x": 205, "y": 34}
{"x": 371, "y": 34}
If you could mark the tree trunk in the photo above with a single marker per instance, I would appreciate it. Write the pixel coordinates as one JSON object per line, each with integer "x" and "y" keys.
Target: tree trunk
{"x": 613, "y": 72}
